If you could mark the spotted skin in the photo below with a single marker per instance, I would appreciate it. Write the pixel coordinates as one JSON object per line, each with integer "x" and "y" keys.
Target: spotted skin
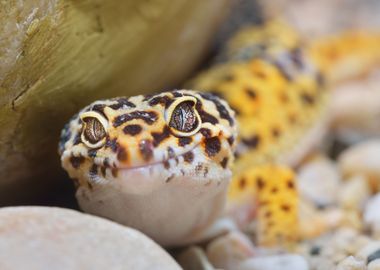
{"x": 159, "y": 152}
{"x": 277, "y": 84}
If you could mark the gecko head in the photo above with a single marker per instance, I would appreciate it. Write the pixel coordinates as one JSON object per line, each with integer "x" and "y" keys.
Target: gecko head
{"x": 180, "y": 132}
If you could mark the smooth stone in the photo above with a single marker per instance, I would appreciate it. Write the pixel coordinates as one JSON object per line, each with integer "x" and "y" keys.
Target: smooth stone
{"x": 354, "y": 193}
{"x": 369, "y": 249}
{"x": 36, "y": 238}
{"x": 351, "y": 263}
{"x": 319, "y": 181}
{"x": 278, "y": 262}
{"x": 228, "y": 251}
{"x": 362, "y": 159}
{"x": 371, "y": 215}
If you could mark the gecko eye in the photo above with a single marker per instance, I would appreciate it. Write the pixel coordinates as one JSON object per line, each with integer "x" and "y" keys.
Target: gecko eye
{"x": 182, "y": 116}
{"x": 94, "y": 129}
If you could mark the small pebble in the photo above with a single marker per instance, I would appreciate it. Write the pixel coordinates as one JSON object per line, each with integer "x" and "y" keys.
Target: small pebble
{"x": 278, "y": 262}
{"x": 362, "y": 159}
{"x": 368, "y": 250}
{"x": 371, "y": 216}
{"x": 228, "y": 251}
{"x": 374, "y": 265}
{"x": 354, "y": 193}
{"x": 351, "y": 263}
{"x": 319, "y": 181}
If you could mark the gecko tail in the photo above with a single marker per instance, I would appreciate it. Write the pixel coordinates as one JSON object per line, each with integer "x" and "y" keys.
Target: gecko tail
{"x": 273, "y": 188}
{"x": 347, "y": 55}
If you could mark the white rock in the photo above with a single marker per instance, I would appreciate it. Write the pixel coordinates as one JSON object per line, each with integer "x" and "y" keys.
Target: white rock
{"x": 374, "y": 265}
{"x": 351, "y": 263}
{"x": 228, "y": 251}
{"x": 362, "y": 158}
{"x": 371, "y": 216}
{"x": 354, "y": 193}
{"x": 278, "y": 262}
{"x": 368, "y": 250}
{"x": 36, "y": 238}
{"x": 319, "y": 181}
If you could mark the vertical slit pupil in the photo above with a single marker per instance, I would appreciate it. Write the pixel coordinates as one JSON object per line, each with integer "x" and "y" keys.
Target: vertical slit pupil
{"x": 183, "y": 117}
{"x": 94, "y": 130}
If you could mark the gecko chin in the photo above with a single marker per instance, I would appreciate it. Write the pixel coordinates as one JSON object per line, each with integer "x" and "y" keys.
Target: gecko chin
{"x": 154, "y": 198}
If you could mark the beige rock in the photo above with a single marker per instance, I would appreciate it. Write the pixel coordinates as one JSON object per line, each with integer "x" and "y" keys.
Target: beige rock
{"x": 319, "y": 181}
{"x": 228, "y": 251}
{"x": 362, "y": 159}
{"x": 371, "y": 216}
{"x": 59, "y": 55}
{"x": 37, "y": 238}
{"x": 355, "y": 109}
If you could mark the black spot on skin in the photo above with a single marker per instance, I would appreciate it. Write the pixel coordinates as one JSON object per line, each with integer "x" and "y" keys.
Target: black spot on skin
{"x": 182, "y": 141}
{"x": 99, "y": 108}
{"x": 205, "y": 117}
{"x": 199, "y": 168}
{"x": 274, "y": 190}
{"x": 260, "y": 74}
{"x": 122, "y": 154}
{"x": 223, "y": 112}
{"x": 276, "y": 132}
{"x": 252, "y": 142}
{"x": 188, "y": 157}
{"x": 171, "y": 153}
{"x": 212, "y": 146}
{"x": 290, "y": 184}
{"x": 132, "y": 130}
{"x": 224, "y": 162}
{"x": 242, "y": 183}
{"x": 93, "y": 171}
{"x": 106, "y": 162}
{"x": 163, "y": 100}
{"x": 205, "y": 132}
{"x": 228, "y": 78}
{"x": 307, "y": 99}
{"x": 77, "y": 139}
{"x": 158, "y": 137}
{"x": 166, "y": 164}
{"x": 122, "y": 102}
{"x": 76, "y": 161}
{"x": 147, "y": 97}
{"x": 285, "y": 207}
{"x": 292, "y": 118}
{"x": 147, "y": 117}
{"x": 268, "y": 214}
{"x": 231, "y": 140}
{"x": 113, "y": 144}
{"x": 177, "y": 94}
{"x": 236, "y": 110}
{"x": 283, "y": 70}
{"x": 205, "y": 171}
{"x": 260, "y": 183}
{"x": 146, "y": 149}
{"x": 251, "y": 93}
{"x": 284, "y": 97}
{"x": 297, "y": 57}
{"x": 92, "y": 153}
